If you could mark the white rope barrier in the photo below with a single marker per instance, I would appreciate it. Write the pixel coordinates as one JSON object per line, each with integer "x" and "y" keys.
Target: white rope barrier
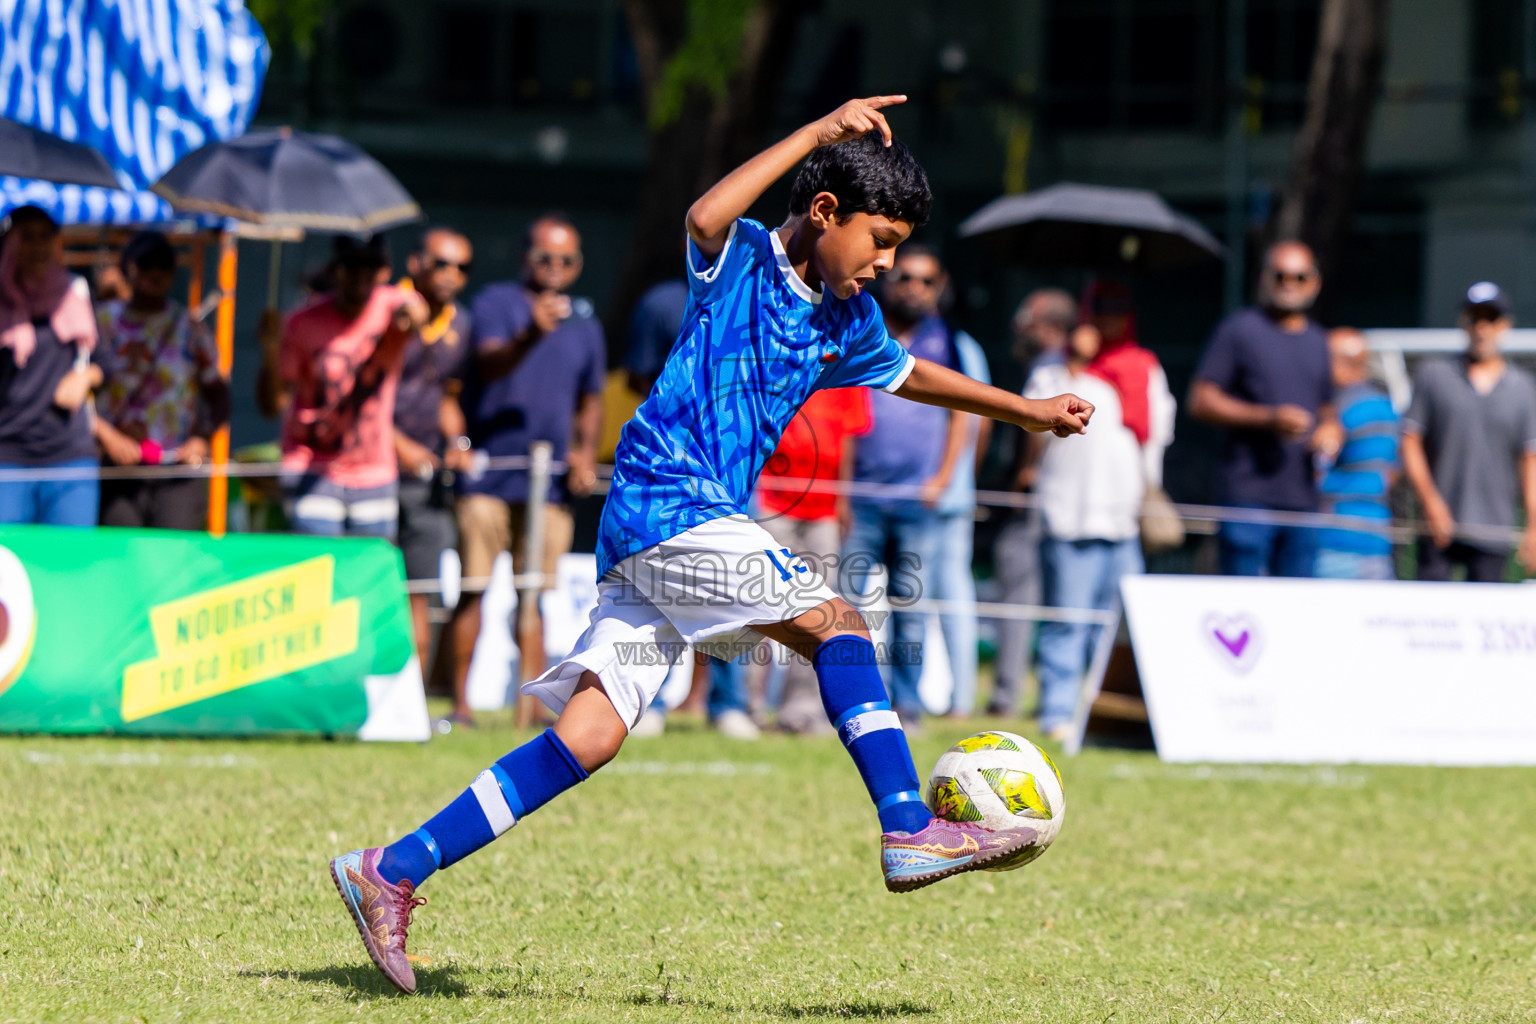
{"x": 1398, "y": 531}
{"x": 204, "y": 470}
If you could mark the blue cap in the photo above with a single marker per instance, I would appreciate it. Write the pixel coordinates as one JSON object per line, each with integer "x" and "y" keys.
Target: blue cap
{"x": 1486, "y": 293}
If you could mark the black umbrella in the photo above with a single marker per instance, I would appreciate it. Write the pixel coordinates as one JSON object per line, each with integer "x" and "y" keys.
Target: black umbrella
{"x": 28, "y": 152}
{"x": 288, "y": 179}
{"x": 1093, "y": 226}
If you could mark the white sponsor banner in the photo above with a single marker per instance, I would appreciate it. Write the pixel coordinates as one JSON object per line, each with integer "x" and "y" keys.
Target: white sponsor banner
{"x": 1281, "y": 670}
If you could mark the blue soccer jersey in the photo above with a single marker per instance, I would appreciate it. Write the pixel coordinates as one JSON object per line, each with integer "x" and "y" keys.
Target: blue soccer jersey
{"x": 755, "y": 343}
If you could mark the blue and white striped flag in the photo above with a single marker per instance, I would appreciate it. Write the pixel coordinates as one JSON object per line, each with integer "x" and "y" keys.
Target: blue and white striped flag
{"x": 142, "y": 81}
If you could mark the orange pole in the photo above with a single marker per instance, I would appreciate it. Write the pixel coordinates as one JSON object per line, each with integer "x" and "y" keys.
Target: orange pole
{"x": 218, "y": 483}
{"x": 199, "y": 258}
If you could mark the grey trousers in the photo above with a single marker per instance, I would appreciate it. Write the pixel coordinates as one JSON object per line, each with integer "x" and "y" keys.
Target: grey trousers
{"x": 1016, "y": 561}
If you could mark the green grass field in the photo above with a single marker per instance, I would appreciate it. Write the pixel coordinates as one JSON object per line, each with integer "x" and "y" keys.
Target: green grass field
{"x": 695, "y": 880}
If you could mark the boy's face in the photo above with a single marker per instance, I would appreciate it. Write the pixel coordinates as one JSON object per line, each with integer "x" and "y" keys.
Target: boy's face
{"x": 850, "y": 253}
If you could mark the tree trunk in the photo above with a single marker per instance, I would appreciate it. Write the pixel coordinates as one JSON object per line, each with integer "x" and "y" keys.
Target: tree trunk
{"x": 1346, "y": 77}
{"x": 713, "y": 131}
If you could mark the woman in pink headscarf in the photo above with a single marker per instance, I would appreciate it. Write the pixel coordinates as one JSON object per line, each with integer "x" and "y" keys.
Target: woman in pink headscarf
{"x": 47, "y": 333}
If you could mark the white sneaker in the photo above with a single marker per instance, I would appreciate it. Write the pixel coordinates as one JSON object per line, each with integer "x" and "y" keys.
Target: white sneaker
{"x": 737, "y": 725}
{"x": 652, "y": 724}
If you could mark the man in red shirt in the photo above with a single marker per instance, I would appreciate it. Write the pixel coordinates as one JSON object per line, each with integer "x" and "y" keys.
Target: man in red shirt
{"x": 809, "y": 518}
{"x": 333, "y": 375}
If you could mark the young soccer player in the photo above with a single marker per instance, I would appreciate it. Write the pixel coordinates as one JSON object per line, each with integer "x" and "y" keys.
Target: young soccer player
{"x": 773, "y": 315}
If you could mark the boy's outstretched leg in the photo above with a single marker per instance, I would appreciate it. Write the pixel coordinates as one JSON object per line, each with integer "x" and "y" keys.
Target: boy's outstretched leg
{"x": 916, "y": 848}
{"x": 378, "y": 885}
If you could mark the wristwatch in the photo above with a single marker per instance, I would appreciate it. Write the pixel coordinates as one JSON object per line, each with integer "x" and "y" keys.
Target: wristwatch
{"x": 461, "y": 443}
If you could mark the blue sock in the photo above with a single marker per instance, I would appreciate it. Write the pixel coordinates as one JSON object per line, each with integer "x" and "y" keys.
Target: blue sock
{"x": 856, "y": 702}
{"x": 501, "y": 796}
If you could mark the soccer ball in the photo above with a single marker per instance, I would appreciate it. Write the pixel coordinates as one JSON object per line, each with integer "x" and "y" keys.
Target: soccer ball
{"x": 1003, "y": 782}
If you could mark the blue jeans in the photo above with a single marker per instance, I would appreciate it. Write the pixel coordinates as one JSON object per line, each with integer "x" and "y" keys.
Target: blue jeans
{"x": 1352, "y": 565}
{"x": 1078, "y": 574}
{"x": 728, "y": 686}
{"x": 914, "y": 531}
{"x": 1258, "y": 549}
{"x": 52, "y": 502}
{"x": 955, "y": 583}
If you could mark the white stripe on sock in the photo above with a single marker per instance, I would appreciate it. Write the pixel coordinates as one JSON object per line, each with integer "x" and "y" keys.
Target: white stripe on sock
{"x": 493, "y": 805}
{"x": 869, "y": 721}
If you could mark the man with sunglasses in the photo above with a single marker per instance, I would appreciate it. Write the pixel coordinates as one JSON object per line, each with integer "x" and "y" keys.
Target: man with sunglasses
{"x": 540, "y": 365}
{"x": 1265, "y": 378}
{"x": 925, "y": 449}
{"x": 1469, "y": 449}
{"x": 430, "y": 439}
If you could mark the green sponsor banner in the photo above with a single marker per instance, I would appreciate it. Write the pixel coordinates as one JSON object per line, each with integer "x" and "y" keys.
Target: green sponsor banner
{"x": 152, "y": 631}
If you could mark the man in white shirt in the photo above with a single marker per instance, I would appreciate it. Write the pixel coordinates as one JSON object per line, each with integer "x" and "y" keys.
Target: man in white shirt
{"x": 1090, "y": 490}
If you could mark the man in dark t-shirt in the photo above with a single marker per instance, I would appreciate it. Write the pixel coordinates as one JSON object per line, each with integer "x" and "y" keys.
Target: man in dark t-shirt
{"x": 653, "y": 328}
{"x": 430, "y": 439}
{"x": 1265, "y": 379}
{"x": 539, "y": 373}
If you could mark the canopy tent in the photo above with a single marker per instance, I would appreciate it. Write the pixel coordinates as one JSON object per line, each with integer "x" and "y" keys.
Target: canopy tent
{"x": 141, "y": 83}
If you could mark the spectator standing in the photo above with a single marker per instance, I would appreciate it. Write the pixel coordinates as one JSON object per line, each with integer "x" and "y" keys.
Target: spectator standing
{"x": 911, "y": 446}
{"x": 653, "y": 329}
{"x": 539, "y": 372}
{"x": 1469, "y": 448}
{"x": 816, "y": 448}
{"x": 431, "y": 441}
{"x": 333, "y": 373}
{"x": 1091, "y": 490}
{"x": 1265, "y": 379}
{"x": 920, "y": 287}
{"x": 1359, "y": 481}
{"x": 47, "y": 333}
{"x": 1041, "y": 328}
{"x": 162, "y": 398}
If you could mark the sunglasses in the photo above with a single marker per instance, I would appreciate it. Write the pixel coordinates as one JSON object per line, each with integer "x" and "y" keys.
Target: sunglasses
{"x": 542, "y": 259}
{"x": 463, "y": 268}
{"x": 1286, "y": 277}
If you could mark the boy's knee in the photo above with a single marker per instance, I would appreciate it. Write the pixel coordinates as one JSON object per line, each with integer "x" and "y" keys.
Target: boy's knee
{"x": 593, "y": 743}
{"x": 590, "y": 727}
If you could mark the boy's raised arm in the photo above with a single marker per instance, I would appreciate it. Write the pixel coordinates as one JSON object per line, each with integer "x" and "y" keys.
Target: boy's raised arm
{"x": 712, "y": 214}
{"x": 933, "y": 384}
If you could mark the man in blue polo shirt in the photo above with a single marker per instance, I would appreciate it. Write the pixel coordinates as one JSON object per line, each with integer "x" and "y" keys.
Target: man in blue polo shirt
{"x": 913, "y": 446}
{"x": 1359, "y": 482}
{"x": 540, "y": 365}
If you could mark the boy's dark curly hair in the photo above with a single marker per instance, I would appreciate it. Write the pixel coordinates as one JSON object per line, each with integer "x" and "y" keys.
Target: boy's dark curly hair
{"x": 866, "y": 176}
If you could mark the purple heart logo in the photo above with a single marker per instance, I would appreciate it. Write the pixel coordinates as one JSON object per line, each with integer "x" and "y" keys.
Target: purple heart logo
{"x": 1235, "y": 638}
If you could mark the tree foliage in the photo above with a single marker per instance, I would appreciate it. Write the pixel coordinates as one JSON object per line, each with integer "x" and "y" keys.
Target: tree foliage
{"x": 708, "y": 57}
{"x": 292, "y": 22}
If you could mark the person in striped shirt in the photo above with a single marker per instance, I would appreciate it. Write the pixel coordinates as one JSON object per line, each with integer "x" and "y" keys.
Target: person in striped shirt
{"x": 1359, "y": 482}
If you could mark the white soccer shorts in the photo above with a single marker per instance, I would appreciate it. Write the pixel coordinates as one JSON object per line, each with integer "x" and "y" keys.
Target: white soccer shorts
{"x": 706, "y": 587}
